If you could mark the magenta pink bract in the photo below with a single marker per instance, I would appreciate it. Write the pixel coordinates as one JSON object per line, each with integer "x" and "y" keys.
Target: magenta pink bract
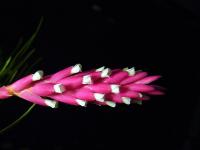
{"x": 102, "y": 86}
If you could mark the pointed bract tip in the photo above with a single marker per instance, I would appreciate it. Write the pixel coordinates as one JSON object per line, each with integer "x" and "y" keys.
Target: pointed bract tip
{"x": 130, "y": 71}
{"x": 99, "y": 97}
{"x": 77, "y": 68}
{"x": 37, "y": 75}
{"x": 100, "y": 69}
{"x": 81, "y": 102}
{"x": 87, "y": 79}
{"x": 126, "y": 100}
{"x": 51, "y": 103}
{"x": 111, "y": 104}
{"x": 115, "y": 88}
{"x": 106, "y": 73}
{"x": 59, "y": 88}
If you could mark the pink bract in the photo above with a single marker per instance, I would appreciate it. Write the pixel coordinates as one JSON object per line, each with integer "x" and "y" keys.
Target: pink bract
{"x": 102, "y": 86}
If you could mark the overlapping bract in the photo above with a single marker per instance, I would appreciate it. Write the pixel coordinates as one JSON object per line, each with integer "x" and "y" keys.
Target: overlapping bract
{"x": 102, "y": 86}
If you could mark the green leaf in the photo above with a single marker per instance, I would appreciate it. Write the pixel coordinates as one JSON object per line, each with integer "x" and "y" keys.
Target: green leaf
{"x": 18, "y": 58}
{"x": 27, "y": 68}
{"x": 21, "y": 52}
{"x": 12, "y": 76}
{"x": 5, "y": 65}
{"x": 17, "y": 65}
{"x": 18, "y": 119}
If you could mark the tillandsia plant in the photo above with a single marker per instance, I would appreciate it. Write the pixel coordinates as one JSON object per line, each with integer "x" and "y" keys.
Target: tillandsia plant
{"x": 101, "y": 86}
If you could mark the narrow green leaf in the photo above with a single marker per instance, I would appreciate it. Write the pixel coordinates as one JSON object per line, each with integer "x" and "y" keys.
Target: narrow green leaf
{"x": 12, "y": 77}
{"x": 17, "y": 47}
{"x": 14, "y": 65}
{"x": 21, "y": 63}
{"x": 27, "y": 68}
{"x": 26, "y": 46}
{"x": 18, "y": 120}
{"x": 6, "y": 64}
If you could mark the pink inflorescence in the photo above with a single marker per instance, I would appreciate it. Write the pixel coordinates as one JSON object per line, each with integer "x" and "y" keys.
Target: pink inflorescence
{"x": 102, "y": 86}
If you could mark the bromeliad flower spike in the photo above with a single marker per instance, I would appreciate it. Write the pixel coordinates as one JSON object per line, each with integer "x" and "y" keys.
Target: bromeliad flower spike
{"x": 102, "y": 86}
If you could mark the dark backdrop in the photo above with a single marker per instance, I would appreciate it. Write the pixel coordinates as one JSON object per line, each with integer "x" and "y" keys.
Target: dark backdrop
{"x": 161, "y": 37}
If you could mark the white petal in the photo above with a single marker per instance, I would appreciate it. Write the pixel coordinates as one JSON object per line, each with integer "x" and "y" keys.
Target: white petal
{"x": 37, "y": 75}
{"x": 59, "y": 88}
{"x": 99, "y": 97}
{"x": 105, "y": 73}
{"x": 115, "y": 88}
{"x": 126, "y": 100}
{"x": 81, "y": 102}
{"x": 111, "y": 104}
{"x": 100, "y": 69}
{"x": 87, "y": 79}
{"x": 131, "y": 71}
{"x": 51, "y": 103}
{"x": 125, "y": 69}
{"x": 77, "y": 68}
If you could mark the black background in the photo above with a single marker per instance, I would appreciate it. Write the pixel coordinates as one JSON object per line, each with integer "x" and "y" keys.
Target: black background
{"x": 161, "y": 37}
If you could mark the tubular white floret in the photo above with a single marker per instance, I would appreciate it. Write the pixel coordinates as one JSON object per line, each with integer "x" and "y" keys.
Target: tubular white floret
{"x": 38, "y": 75}
{"x": 51, "y": 103}
{"x": 115, "y": 88}
{"x": 59, "y": 88}
{"x": 105, "y": 73}
{"x": 87, "y": 79}
{"x": 99, "y": 97}
{"x": 77, "y": 68}
{"x": 81, "y": 102}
